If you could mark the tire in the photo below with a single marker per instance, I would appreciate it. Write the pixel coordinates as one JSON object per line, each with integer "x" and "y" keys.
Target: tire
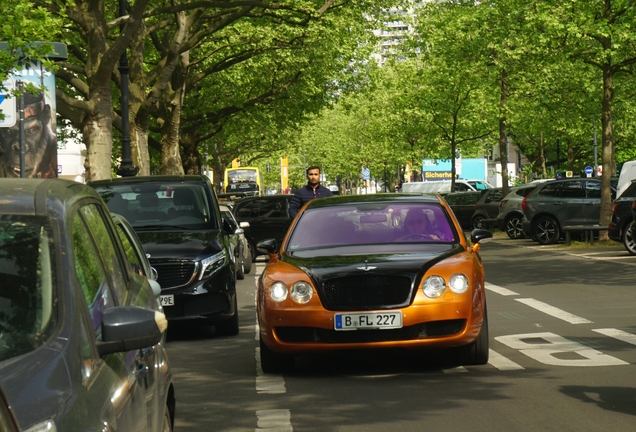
{"x": 247, "y": 263}
{"x": 240, "y": 268}
{"x": 514, "y": 228}
{"x": 477, "y": 353}
{"x": 546, "y": 230}
{"x": 477, "y": 223}
{"x": 229, "y": 327}
{"x": 167, "y": 421}
{"x": 272, "y": 362}
{"x": 629, "y": 238}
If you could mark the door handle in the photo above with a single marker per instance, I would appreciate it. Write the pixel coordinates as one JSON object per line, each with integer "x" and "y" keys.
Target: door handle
{"x": 141, "y": 370}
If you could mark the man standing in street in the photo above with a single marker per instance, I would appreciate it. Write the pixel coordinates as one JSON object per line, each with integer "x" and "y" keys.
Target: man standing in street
{"x": 311, "y": 190}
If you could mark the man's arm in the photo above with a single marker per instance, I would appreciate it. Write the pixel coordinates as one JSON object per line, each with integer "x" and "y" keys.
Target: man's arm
{"x": 294, "y": 205}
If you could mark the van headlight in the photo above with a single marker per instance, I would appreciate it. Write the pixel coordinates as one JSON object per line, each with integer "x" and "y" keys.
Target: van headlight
{"x": 211, "y": 264}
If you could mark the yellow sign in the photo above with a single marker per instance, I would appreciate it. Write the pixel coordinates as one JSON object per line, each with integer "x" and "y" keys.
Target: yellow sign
{"x": 236, "y": 162}
{"x": 569, "y": 174}
{"x": 284, "y": 174}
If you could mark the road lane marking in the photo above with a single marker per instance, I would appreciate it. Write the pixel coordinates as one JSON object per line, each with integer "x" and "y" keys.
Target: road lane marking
{"x": 554, "y": 350}
{"x": 500, "y": 290}
{"x": 502, "y": 363}
{"x": 267, "y": 383}
{"x": 276, "y": 420}
{"x": 617, "y": 334}
{"x": 553, "y": 311}
{"x": 458, "y": 369}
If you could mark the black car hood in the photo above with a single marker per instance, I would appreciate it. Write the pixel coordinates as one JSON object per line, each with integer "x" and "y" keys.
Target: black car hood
{"x": 187, "y": 245}
{"x": 413, "y": 263}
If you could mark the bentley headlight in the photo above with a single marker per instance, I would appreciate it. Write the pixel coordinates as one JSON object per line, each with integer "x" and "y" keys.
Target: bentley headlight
{"x": 211, "y": 264}
{"x": 458, "y": 283}
{"x": 434, "y": 286}
{"x": 278, "y": 291}
{"x": 301, "y": 292}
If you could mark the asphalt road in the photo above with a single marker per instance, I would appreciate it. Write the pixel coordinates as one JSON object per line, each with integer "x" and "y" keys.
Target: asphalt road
{"x": 563, "y": 356}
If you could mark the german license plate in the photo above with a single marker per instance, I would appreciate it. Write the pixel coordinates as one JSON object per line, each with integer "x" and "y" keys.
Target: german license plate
{"x": 167, "y": 300}
{"x": 368, "y": 320}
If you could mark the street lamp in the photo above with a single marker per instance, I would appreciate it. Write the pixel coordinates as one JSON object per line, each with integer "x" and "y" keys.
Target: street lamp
{"x": 126, "y": 168}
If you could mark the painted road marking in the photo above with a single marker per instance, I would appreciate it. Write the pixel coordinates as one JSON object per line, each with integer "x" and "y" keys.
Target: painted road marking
{"x": 500, "y": 290}
{"x": 502, "y": 363}
{"x": 267, "y": 383}
{"x": 553, "y": 311}
{"x": 617, "y": 334}
{"x": 277, "y": 420}
{"x": 552, "y": 349}
{"x": 458, "y": 369}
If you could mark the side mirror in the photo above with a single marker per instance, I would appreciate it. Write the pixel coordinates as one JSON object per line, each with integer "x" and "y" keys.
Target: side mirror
{"x": 126, "y": 328}
{"x": 239, "y": 231}
{"x": 244, "y": 225}
{"x": 156, "y": 288}
{"x": 480, "y": 236}
{"x": 267, "y": 246}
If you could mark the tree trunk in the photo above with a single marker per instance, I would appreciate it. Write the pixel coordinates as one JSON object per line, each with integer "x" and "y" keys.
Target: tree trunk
{"x": 503, "y": 135}
{"x": 607, "y": 146}
{"x": 544, "y": 170}
{"x": 190, "y": 153}
{"x": 97, "y": 135}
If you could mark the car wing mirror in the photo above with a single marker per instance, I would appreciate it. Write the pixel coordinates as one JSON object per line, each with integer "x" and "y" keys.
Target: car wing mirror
{"x": 126, "y": 328}
{"x": 478, "y": 237}
{"x": 268, "y": 246}
{"x": 156, "y": 288}
{"x": 244, "y": 225}
{"x": 239, "y": 231}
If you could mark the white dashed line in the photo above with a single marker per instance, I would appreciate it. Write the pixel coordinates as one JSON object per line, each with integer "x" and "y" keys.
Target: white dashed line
{"x": 617, "y": 334}
{"x": 500, "y": 290}
{"x": 502, "y": 363}
{"x": 553, "y": 311}
{"x": 277, "y": 420}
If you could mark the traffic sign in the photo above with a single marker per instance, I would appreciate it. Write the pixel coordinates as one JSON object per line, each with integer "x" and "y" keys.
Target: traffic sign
{"x": 599, "y": 170}
{"x": 588, "y": 171}
{"x": 8, "y": 104}
{"x": 366, "y": 174}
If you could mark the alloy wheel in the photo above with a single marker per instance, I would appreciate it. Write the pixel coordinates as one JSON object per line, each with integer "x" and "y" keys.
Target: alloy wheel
{"x": 514, "y": 228}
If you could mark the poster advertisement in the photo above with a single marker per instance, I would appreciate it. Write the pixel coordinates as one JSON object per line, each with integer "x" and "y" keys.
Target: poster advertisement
{"x": 39, "y": 138}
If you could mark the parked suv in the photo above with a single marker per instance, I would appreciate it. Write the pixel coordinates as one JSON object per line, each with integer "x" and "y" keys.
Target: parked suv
{"x": 620, "y": 226}
{"x": 558, "y": 203}
{"x": 510, "y": 212}
{"x": 178, "y": 221}
{"x": 463, "y": 206}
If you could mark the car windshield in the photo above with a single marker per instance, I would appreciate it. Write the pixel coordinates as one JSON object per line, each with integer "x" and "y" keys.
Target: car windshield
{"x": 377, "y": 223}
{"x": 28, "y": 302}
{"x": 161, "y": 205}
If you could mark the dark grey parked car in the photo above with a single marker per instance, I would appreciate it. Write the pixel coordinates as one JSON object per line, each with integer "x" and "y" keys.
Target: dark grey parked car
{"x": 558, "y": 203}
{"x": 620, "y": 226}
{"x": 80, "y": 328}
{"x": 510, "y": 212}
{"x": 487, "y": 209}
{"x": 463, "y": 206}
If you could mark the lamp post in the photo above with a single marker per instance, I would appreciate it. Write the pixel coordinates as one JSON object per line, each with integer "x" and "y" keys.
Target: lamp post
{"x": 126, "y": 168}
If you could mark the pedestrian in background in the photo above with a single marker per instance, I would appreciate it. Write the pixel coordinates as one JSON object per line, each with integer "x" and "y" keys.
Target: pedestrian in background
{"x": 313, "y": 189}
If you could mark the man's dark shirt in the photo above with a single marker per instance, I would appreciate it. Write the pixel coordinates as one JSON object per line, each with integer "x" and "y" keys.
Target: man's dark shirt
{"x": 304, "y": 194}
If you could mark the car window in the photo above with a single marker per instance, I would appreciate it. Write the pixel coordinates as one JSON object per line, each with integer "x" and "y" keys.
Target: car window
{"x": 630, "y": 191}
{"x": 28, "y": 300}
{"x": 261, "y": 208}
{"x": 161, "y": 204}
{"x": 495, "y": 195}
{"x": 131, "y": 252}
{"x": 593, "y": 189}
{"x": 359, "y": 225}
{"x": 571, "y": 189}
{"x": 108, "y": 249}
{"x": 461, "y": 187}
{"x": 90, "y": 274}
{"x": 550, "y": 190}
{"x": 525, "y": 191}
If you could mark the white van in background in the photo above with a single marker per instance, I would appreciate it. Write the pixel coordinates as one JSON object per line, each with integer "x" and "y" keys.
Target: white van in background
{"x": 627, "y": 174}
{"x": 437, "y": 186}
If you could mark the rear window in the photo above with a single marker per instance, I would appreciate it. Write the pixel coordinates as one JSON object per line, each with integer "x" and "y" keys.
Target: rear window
{"x": 630, "y": 191}
{"x": 28, "y": 300}
{"x": 377, "y": 224}
{"x": 158, "y": 205}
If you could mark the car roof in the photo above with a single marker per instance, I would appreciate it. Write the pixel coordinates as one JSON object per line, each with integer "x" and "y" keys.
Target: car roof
{"x": 252, "y": 198}
{"x": 341, "y": 200}
{"x": 41, "y": 196}
{"x": 148, "y": 179}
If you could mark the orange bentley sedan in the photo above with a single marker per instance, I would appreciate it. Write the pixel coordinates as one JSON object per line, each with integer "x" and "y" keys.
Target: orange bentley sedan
{"x": 372, "y": 271}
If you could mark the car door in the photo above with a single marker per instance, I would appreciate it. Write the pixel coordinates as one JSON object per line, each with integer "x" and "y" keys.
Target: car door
{"x": 491, "y": 203}
{"x": 104, "y": 281}
{"x": 591, "y": 209}
{"x": 268, "y": 217}
{"x": 569, "y": 204}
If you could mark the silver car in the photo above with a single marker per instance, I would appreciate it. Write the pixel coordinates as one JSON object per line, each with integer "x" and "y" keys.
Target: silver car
{"x": 510, "y": 211}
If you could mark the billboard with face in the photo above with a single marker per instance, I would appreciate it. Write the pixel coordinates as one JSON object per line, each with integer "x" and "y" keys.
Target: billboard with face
{"x": 39, "y": 138}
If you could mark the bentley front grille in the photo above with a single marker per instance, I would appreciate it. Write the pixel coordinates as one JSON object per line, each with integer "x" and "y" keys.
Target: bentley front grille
{"x": 366, "y": 292}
